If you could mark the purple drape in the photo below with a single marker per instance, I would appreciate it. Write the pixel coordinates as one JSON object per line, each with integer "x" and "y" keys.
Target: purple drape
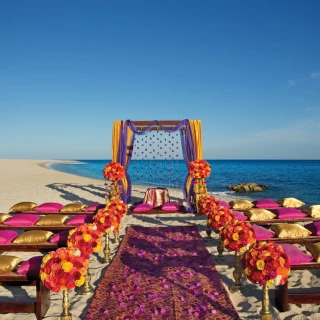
{"x": 186, "y": 143}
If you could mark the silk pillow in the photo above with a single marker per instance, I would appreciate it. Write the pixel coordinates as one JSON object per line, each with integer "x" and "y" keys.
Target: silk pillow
{"x": 33, "y": 236}
{"x": 4, "y": 217}
{"x": 265, "y": 203}
{"x": 142, "y": 207}
{"x": 30, "y": 267}
{"x": 73, "y": 207}
{"x": 60, "y": 238}
{"x": 290, "y": 230}
{"x": 259, "y": 214}
{"x": 23, "y": 206}
{"x": 239, "y": 215}
{"x": 241, "y": 204}
{"x": 314, "y": 228}
{"x": 224, "y": 204}
{"x": 49, "y": 207}
{"x": 312, "y": 211}
{"x": 170, "y": 206}
{"x": 23, "y": 219}
{"x": 8, "y": 263}
{"x": 295, "y": 255}
{"x": 52, "y": 220}
{"x": 262, "y": 233}
{"x": 80, "y": 219}
{"x": 314, "y": 249}
{"x": 290, "y": 202}
{"x": 289, "y": 213}
{"x": 93, "y": 207}
{"x": 7, "y": 236}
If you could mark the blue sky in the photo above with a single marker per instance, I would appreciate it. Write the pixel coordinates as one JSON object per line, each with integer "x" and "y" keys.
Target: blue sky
{"x": 250, "y": 70}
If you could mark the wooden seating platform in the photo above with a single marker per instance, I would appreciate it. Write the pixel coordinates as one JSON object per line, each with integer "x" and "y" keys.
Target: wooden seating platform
{"x": 41, "y": 304}
{"x": 283, "y": 297}
{"x": 33, "y": 247}
{"x": 54, "y": 229}
{"x": 46, "y": 213}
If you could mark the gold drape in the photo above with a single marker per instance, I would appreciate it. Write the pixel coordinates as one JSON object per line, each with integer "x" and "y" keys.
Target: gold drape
{"x": 196, "y": 130}
{"x": 116, "y": 139}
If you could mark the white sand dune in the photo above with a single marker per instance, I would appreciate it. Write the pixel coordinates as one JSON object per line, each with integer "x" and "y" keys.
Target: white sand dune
{"x": 30, "y": 180}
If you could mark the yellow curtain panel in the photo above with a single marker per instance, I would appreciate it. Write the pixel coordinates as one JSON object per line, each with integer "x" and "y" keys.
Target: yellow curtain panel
{"x": 196, "y": 130}
{"x": 116, "y": 139}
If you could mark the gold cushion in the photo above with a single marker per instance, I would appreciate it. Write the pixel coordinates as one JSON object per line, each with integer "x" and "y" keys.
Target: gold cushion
{"x": 290, "y": 202}
{"x": 8, "y": 263}
{"x": 312, "y": 211}
{"x": 241, "y": 204}
{"x": 290, "y": 230}
{"x": 73, "y": 207}
{"x": 52, "y": 220}
{"x": 23, "y": 206}
{"x": 259, "y": 214}
{"x": 33, "y": 236}
{"x": 314, "y": 249}
{"x": 4, "y": 217}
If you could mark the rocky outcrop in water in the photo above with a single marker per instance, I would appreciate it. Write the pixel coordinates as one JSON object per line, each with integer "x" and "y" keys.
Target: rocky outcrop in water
{"x": 248, "y": 187}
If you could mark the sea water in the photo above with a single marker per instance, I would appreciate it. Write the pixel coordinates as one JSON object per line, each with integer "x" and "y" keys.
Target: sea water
{"x": 284, "y": 178}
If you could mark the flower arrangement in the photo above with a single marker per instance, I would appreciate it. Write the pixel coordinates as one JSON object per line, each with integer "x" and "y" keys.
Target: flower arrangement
{"x": 63, "y": 269}
{"x": 199, "y": 169}
{"x": 114, "y": 171}
{"x": 237, "y": 236}
{"x": 266, "y": 263}
{"x": 220, "y": 217}
{"x": 103, "y": 220}
{"x": 86, "y": 238}
{"x": 208, "y": 204}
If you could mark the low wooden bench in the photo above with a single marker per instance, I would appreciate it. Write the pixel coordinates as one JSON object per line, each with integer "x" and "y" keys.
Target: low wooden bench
{"x": 40, "y": 306}
{"x": 54, "y": 229}
{"x": 283, "y": 297}
{"x": 46, "y": 213}
{"x": 33, "y": 247}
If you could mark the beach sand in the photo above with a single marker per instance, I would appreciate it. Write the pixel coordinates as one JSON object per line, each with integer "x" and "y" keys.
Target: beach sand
{"x": 30, "y": 180}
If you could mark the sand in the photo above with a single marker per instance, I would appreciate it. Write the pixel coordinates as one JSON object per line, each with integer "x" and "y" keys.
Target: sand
{"x": 31, "y": 180}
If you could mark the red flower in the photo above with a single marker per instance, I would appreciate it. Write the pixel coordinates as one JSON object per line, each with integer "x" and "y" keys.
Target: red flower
{"x": 199, "y": 169}
{"x": 219, "y": 217}
{"x": 114, "y": 171}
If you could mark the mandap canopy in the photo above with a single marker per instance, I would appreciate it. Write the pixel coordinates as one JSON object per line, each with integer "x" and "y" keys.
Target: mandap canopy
{"x": 123, "y": 136}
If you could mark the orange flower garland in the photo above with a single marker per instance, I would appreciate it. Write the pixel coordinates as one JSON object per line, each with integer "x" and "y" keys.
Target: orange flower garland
{"x": 63, "y": 269}
{"x": 208, "y": 204}
{"x": 114, "y": 171}
{"x": 103, "y": 220}
{"x": 199, "y": 169}
{"x": 219, "y": 217}
{"x": 86, "y": 238}
{"x": 117, "y": 209}
{"x": 266, "y": 263}
{"x": 237, "y": 236}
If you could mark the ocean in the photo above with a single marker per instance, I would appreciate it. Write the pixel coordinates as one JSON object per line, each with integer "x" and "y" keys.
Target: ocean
{"x": 285, "y": 178}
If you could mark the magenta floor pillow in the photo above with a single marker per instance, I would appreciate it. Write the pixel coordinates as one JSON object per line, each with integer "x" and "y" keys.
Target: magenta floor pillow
{"x": 170, "y": 206}
{"x": 314, "y": 228}
{"x": 60, "y": 238}
{"x": 295, "y": 255}
{"x": 262, "y": 233}
{"x": 30, "y": 267}
{"x": 142, "y": 207}
{"x": 289, "y": 213}
{"x": 49, "y": 207}
{"x": 239, "y": 215}
{"x": 93, "y": 207}
{"x": 224, "y": 204}
{"x": 80, "y": 219}
{"x": 7, "y": 236}
{"x": 23, "y": 219}
{"x": 265, "y": 203}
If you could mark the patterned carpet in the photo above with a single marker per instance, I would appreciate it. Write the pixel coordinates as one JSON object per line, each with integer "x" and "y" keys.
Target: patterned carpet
{"x": 161, "y": 273}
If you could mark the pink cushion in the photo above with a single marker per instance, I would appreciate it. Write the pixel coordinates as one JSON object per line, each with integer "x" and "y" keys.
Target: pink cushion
{"x": 295, "y": 255}
{"x": 142, "y": 207}
{"x": 262, "y": 233}
{"x": 49, "y": 207}
{"x": 314, "y": 228}
{"x": 30, "y": 267}
{"x": 224, "y": 204}
{"x": 80, "y": 219}
{"x": 7, "y": 236}
{"x": 170, "y": 206}
{"x": 93, "y": 207}
{"x": 60, "y": 238}
{"x": 289, "y": 213}
{"x": 239, "y": 215}
{"x": 23, "y": 219}
{"x": 265, "y": 203}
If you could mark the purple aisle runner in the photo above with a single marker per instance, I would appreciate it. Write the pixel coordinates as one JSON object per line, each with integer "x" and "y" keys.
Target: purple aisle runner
{"x": 161, "y": 273}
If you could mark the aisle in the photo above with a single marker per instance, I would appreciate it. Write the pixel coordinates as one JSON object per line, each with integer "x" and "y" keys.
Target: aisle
{"x": 161, "y": 273}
